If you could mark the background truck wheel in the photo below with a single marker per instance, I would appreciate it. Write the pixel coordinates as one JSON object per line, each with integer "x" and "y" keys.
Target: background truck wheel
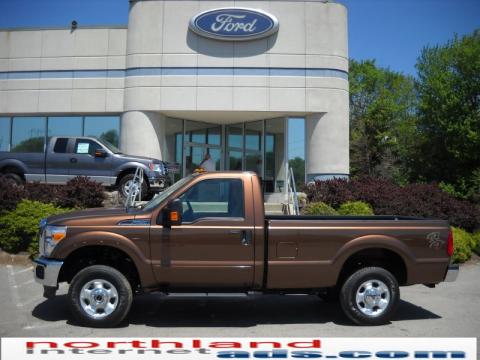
{"x": 100, "y": 296}
{"x": 370, "y": 296}
{"x": 14, "y": 179}
{"x": 124, "y": 184}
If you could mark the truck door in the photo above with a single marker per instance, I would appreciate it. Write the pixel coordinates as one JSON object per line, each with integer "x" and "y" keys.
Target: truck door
{"x": 84, "y": 162}
{"x": 57, "y": 163}
{"x": 214, "y": 245}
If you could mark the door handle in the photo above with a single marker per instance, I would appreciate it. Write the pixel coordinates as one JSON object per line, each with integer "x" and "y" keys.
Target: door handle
{"x": 246, "y": 237}
{"x": 245, "y": 234}
{"x": 73, "y": 160}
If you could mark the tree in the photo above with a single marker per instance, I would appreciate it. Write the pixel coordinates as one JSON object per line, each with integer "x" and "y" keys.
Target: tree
{"x": 382, "y": 121}
{"x": 449, "y": 113}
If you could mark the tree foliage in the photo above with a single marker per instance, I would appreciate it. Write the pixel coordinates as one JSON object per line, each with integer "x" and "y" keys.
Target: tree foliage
{"x": 449, "y": 114}
{"x": 382, "y": 121}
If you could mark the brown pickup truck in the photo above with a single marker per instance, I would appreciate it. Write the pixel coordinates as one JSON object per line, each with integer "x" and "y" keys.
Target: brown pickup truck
{"x": 208, "y": 233}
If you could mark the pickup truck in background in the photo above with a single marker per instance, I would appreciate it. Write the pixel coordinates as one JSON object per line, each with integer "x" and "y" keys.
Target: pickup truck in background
{"x": 68, "y": 157}
{"x": 208, "y": 233}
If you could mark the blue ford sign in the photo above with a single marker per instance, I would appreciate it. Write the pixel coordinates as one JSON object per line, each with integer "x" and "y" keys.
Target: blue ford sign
{"x": 234, "y": 24}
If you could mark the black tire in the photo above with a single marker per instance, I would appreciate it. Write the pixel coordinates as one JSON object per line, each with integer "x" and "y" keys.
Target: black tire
{"x": 379, "y": 278}
{"x": 108, "y": 275}
{"x": 15, "y": 179}
{"x": 122, "y": 188}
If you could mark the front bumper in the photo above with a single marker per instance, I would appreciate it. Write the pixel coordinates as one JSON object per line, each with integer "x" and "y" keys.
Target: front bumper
{"x": 159, "y": 182}
{"x": 452, "y": 273}
{"x": 46, "y": 271}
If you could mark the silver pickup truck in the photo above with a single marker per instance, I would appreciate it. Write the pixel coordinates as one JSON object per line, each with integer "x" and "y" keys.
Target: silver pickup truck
{"x": 68, "y": 157}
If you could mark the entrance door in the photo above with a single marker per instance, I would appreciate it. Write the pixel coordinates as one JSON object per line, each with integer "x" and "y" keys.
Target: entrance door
{"x": 214, "y": 245}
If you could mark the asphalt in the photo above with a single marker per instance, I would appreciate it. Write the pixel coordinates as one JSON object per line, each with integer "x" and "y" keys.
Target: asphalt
{"x": 449, "y": 310}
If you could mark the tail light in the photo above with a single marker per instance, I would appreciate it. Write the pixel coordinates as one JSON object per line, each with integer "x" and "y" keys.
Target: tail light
{"x": 450, "y": 243}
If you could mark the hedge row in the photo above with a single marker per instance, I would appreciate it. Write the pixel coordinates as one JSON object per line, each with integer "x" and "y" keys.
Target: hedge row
{"x": 79, "y": 192}
{"x": 387, "y": 198}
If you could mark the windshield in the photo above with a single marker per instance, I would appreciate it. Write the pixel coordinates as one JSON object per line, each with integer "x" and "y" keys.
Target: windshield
{"x": 110, "y": 146}
{"x": 165, "y": 194}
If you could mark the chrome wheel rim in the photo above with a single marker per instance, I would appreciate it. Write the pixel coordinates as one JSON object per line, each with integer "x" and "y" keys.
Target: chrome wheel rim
{"x": 99, "y": 298}
{"x": 126, "y": 188}
{"x": 372, "y": 297}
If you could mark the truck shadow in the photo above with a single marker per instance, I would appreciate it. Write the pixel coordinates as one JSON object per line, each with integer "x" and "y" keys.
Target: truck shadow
{"x": 155, "y": 310}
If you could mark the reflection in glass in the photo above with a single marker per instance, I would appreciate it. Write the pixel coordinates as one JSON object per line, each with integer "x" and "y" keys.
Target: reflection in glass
{"x": 203, "y": 133}
{"x": 65, "y": 126}
{"x": 234, "y": 160}
{"x": 103, "y": 127}
{"x": 235, "y": 136}
{"x": 275, "y": 155}
{"x": 4, "y": 133}
{"x": 253, "y": 147}
{"x": 296, "y": 149}
{"x": 28, "y": 134}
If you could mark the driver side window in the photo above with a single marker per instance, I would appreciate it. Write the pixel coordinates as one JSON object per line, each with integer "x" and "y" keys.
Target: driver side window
{"x": 213, "y": 198}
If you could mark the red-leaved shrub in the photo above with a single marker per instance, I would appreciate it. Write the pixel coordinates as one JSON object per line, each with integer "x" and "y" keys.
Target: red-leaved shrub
{"x": 387, "y": 198}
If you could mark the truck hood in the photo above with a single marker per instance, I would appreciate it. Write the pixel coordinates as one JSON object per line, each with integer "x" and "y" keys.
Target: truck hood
{"x": 92, "y": 217}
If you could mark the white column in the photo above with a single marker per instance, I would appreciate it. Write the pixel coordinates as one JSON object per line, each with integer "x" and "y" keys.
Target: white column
{"x": 327, "y": 138}
{"x": 142, "y": 133}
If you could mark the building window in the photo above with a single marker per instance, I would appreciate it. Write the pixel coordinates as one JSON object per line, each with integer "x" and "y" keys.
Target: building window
{"x": 4, "y": 133}
{"x": 65, "y": 126}
{"x": 296, "y": 149}
{"x": 106, "y": 128}
{"x": 28, "y": 134}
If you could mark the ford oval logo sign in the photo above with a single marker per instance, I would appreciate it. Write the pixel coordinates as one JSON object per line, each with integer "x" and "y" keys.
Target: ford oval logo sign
{"x": 234, "y": 24}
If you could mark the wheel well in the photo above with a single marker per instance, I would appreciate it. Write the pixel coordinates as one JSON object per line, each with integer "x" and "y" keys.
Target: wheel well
{"x": 100, "y": 255}
{"x": 384, "y": 258}
{"x": 12, "y": 169}
{"x": 126, "y": 172}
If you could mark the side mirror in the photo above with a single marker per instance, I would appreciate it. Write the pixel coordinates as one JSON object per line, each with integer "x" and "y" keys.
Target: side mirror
{"x": 172, "y": 215}
{"x": 101, "y": 153}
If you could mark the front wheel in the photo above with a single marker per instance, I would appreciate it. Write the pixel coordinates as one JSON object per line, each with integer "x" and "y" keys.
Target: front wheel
{"x": 100, "y": 296}
{"x": 125, "y": 183}
{"x": 370, "y": 296}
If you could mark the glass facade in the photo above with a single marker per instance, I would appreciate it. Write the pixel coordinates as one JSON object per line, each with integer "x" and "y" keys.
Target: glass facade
{"x": 5, "y": 128}
{"x": 30, "y": 133}
{"x": 261, "y": 146}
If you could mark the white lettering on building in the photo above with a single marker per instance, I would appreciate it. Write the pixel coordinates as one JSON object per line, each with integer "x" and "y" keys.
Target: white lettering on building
{"x": 231, "y": 23}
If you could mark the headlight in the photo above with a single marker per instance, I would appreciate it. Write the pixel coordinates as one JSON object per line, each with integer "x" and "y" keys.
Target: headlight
{"x": 156, "y": 167}
{"x": 50, "y": 237}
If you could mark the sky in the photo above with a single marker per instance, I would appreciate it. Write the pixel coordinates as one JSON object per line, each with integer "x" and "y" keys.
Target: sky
{"x": 391, "y": 31}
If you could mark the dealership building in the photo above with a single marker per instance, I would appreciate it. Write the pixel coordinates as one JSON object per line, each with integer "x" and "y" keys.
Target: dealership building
{"x": 252, "y": 83}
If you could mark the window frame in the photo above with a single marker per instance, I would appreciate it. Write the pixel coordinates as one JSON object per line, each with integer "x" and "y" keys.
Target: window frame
{"x": 226, "y": 218}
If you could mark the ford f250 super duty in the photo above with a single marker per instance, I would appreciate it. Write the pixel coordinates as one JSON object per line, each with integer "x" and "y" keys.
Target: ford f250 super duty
{"x": 208, "y": 233}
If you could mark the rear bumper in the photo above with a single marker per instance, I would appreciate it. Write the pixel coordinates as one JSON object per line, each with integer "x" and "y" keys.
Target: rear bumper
{"x": 46, "y": 271}
{"x": 452, "y": 273}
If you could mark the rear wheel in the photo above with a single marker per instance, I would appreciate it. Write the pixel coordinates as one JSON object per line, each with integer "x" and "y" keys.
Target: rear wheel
{"x": 100, "y": 296}
{"x": 14, "y": 179}
{"x": 370, "y": 296}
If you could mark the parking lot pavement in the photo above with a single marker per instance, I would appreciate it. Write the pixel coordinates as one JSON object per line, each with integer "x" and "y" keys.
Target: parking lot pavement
{"x": 451, "y": 309}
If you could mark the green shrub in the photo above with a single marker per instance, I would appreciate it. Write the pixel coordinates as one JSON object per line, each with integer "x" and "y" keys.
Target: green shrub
{"x": 319, "y": 208}
{"x": 476, "y": 239}
{"x": 19, "y": 227}
{"x": 355, "y": 208}
{"x": 463, "y": 243}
